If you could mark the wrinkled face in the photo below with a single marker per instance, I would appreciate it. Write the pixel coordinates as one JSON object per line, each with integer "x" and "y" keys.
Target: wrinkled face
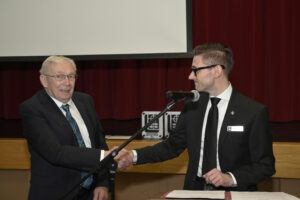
{"x": 61, "y": 90}
{"x": 204, "y": 78}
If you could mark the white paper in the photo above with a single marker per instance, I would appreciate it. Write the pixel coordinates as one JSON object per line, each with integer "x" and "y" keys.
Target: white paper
{"x": 261, "y": 196}
{"x": 196, "y": 194}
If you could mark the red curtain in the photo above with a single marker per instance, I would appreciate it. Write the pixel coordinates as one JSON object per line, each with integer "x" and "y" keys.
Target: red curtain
{"x": 263, "y": 37}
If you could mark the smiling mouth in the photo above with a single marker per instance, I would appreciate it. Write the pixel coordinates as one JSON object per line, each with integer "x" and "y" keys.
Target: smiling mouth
{"x": 66, "y": 91}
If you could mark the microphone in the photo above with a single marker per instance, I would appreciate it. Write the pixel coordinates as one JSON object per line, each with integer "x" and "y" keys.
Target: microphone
{"x": 193, "y": 95}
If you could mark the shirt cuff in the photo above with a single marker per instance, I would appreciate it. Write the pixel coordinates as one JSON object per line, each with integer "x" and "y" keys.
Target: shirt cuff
{"x": 233, "y": 178}
{"x": 134, "y": 160}
{"x": 101, "y": 155}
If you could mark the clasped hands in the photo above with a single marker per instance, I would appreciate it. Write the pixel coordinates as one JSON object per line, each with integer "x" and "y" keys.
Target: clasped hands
{"x": 124, "y": 158}
{"x": 217, "y": 178}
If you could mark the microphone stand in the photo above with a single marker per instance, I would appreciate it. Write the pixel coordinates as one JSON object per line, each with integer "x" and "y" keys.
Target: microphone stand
{"x": 109, "y": 163}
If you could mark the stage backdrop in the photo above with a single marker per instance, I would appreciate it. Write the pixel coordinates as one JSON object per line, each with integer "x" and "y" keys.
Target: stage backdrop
{"x": 264, "y": 37}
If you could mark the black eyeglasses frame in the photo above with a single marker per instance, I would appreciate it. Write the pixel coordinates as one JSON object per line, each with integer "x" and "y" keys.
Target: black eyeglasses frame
{"x": 196, "y": 69}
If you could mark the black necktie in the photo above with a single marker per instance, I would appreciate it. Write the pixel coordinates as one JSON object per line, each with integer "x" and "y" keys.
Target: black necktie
{"x": 210, "y": 141}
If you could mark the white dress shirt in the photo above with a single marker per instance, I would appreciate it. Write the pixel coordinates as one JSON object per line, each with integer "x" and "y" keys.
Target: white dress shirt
{"x": 81, "y": 125}
{"x": 222, "y": 107}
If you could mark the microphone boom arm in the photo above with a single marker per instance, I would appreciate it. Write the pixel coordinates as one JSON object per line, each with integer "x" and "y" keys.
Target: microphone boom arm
{"x": 109, "y": 163}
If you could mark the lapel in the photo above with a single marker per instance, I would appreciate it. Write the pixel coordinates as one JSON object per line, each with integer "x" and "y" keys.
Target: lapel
{"x": 229, "y": 117}
{"x": 55, "y": 116}
{"x": 84, "y": 114}
{"x": 53, "y": 111}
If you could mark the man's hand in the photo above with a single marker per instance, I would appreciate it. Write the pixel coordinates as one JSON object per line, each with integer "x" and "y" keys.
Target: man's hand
{"x": 217, "y": 178}
{"x": 100, "y": 193}
{"x": 124, "y": 159}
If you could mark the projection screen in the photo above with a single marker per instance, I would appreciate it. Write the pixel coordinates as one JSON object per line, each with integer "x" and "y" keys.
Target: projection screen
{"x": 95, "y": 29}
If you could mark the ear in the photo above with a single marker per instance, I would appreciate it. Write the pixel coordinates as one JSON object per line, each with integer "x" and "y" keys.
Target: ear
{"x": 44, "y": 81}
{"x": 218, "y": 71}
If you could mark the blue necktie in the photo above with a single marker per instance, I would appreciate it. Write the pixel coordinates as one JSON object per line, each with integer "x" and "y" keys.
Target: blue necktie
{"x": 210, "y": 141}
{"x": 87, "y": 183}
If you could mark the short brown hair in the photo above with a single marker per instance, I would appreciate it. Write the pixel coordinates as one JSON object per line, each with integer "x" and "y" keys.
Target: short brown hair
{"x": 216, "y": 53}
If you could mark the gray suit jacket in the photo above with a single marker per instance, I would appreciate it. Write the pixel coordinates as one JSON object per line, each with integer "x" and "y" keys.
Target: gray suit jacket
{"x": 56, "y": 159}
{"x": 247, "y": 154}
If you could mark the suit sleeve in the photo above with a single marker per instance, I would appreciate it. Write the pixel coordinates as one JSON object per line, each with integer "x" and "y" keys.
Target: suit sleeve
{"x": 167, "y": 149}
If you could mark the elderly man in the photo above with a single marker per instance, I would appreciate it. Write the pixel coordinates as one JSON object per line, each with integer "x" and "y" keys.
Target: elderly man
{"x": 64, "y": 135}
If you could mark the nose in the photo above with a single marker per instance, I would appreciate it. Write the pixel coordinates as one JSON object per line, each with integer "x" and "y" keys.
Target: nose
{"x": 191, "y": 76}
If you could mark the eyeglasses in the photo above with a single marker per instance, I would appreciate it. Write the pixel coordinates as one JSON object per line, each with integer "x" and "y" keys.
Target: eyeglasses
{"x": 61, "y": 77}
{"x": 196, "y": 69}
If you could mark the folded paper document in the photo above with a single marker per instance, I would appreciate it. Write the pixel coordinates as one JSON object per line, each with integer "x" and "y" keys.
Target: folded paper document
{"x": 193, "y": 194}
{"x": 262, "y": 196}
{"x": 198, "y": 194}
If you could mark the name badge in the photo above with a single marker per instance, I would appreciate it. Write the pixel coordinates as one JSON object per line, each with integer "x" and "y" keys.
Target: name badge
{"x": 235, "y": 128}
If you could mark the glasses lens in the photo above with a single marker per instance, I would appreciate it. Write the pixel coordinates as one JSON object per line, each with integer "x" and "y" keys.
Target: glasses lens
{"x": 71, "y": 76}
{"x": 60, "y": 77}
{"x": 194, "y": 70}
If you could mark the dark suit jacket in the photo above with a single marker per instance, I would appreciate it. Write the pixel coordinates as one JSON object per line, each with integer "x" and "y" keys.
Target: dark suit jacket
{"x": 56, "y": 159}
{"x": 248, "y": 154}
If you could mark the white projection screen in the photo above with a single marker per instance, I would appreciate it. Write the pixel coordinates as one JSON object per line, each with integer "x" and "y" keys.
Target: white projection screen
{"x": 95, "y": 29}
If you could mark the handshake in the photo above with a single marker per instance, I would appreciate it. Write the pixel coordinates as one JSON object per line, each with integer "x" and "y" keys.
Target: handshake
{"x": 124, "y": 158}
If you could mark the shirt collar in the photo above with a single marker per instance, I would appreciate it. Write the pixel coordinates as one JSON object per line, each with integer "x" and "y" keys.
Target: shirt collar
{"x": 225, "y": 95}
{"x": 59, "y": 103}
